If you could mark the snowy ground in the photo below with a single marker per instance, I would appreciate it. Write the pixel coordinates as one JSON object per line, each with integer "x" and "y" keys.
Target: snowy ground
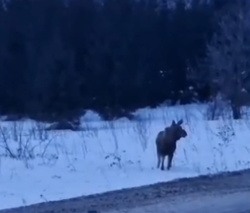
{"x": 113, "y": 155}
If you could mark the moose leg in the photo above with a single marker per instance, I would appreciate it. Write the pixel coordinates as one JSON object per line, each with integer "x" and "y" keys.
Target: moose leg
{"x": 162, "y": 162}
{"x": 158, "y": 160}
{"x": 170, "y": 158}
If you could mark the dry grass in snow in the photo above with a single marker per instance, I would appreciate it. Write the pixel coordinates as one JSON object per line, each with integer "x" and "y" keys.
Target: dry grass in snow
{"x": 37, "y": 166}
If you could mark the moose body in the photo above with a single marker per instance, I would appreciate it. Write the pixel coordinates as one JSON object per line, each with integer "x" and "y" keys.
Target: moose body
{"x": 166, "y": 143}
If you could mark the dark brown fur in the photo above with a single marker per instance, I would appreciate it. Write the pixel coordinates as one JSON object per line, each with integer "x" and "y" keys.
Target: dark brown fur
{"x": 166, "y": 143}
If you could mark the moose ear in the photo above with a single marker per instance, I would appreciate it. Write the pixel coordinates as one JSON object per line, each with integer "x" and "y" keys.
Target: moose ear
{"x": 173, "y": 123}
{"x": 180, "y": 122}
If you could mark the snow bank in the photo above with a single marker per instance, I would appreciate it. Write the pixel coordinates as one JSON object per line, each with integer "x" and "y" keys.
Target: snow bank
{"x": 114, "y": 155}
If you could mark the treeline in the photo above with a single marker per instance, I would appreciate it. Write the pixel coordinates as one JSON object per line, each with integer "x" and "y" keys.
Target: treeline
{"x": 60, "y": 56}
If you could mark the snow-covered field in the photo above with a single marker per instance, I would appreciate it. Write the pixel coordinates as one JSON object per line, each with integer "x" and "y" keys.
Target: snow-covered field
{"x": 105, "y": 156}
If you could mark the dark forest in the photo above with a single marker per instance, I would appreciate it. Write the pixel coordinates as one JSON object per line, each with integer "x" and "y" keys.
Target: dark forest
{"x": 58, "y": 57}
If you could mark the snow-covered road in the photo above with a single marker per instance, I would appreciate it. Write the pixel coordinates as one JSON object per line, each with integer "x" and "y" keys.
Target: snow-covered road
{"x": 224, "y": 193}
{"x": 233, "y": 202}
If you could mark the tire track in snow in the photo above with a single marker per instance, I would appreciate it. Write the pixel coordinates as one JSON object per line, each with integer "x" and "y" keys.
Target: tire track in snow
{"x": 131, "y": 200}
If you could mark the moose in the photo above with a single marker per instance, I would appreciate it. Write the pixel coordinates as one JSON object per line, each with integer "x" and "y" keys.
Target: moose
{"x": 166, "y": 143}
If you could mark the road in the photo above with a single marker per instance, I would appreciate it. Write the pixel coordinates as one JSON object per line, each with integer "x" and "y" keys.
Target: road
{"x": 235, "y": 202}
{"x": 223, "y": 193}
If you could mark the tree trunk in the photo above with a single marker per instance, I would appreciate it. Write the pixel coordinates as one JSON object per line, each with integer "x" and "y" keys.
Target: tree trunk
{"x": 236, "y": 111}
